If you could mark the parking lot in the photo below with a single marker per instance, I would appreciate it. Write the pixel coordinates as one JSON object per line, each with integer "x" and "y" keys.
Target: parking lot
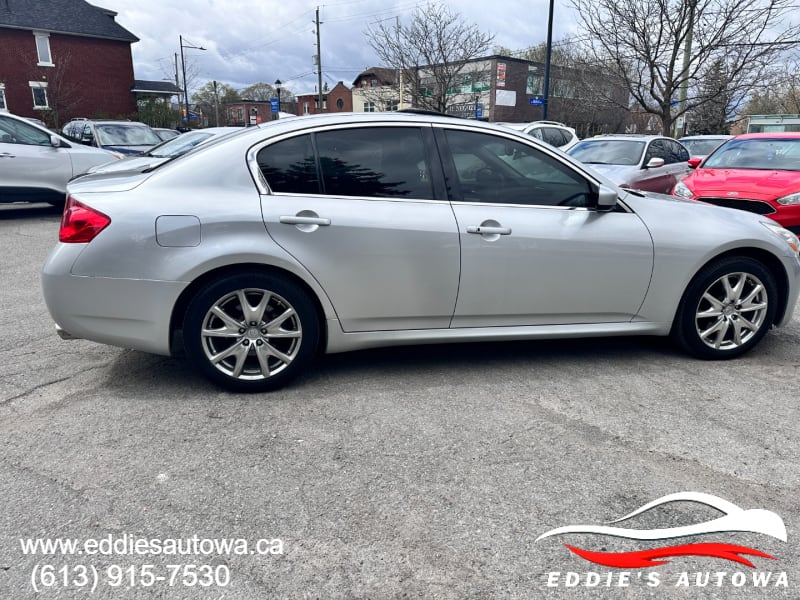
{"x": 418, "y": 472}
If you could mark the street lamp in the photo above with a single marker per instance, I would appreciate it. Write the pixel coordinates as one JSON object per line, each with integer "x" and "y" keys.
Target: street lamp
{"x": 278, "y": 89}
{"x": 183, "y": 68}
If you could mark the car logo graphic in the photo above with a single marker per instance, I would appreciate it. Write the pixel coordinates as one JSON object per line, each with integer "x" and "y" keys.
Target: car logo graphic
{"x": 734, "y": 519}
{"x": 733, "y": 193}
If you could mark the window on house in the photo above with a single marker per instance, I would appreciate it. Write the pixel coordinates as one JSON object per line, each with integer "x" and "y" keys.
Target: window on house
{"x": 369, "y": 107}
{"x": 373, "y": 83}
{"x": 43, "y": 49}
{"x": 39, "y": 90}
{"x": 305, "y": 108}
{"x": 3, "y": 105}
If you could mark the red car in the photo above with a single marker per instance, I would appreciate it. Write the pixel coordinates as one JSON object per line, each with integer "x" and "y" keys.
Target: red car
{"x": 758, "y": 172}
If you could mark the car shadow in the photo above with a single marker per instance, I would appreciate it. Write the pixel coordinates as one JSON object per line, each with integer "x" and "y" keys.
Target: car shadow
{"x": 138, "y": 373}
{"x": 24, "y": 210}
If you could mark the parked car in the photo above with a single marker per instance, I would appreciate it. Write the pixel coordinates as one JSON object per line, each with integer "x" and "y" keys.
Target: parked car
{"x": 122, "y": 137}
{"x": 35, "y": 163}
{"x": 177, "y": 146}
{"x": 348, "y": 231}
{"x": 550, "y": 132}
{"x": 166, "y": 134}
{"x": 756, "y": 172}
{"x": 700, "y": 146}
{"x": 641, "y": 162}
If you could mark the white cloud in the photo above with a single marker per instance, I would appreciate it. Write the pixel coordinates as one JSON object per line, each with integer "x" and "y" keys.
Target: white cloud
{"x": 248, "y": 41}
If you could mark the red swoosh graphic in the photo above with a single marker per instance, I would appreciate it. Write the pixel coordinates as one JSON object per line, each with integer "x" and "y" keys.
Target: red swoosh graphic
{"x": 649, "y": 558}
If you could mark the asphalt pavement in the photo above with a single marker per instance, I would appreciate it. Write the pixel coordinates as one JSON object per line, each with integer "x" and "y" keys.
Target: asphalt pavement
{"x": 418, "y": 472}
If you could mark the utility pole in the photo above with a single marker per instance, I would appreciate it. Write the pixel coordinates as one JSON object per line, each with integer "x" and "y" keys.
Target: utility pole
{"x": 178, "y": 85}
{"x": 216, "y": 105}
{"x": 547, "y": 63}
{"x": 687, "y": 54}
{"x": 319, "y": 66}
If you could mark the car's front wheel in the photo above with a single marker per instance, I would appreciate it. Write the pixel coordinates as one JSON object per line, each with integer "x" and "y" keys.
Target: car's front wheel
{"x": 251, "y": 332}
{"x": 727, "y": 308}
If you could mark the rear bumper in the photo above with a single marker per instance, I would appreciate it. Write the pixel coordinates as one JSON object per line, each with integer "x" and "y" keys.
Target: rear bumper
{"x": 129, "y": 313}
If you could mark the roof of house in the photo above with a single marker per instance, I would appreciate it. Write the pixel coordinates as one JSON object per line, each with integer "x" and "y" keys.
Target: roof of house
{"x": 155, "y": 87}
{"x": 384, "y": 74}
{"x": 71, "y": 17}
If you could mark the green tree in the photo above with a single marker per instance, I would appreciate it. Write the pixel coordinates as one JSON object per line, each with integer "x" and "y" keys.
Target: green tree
{"x": 212, "y": 98}
{"x": 711, "y": 114}
{"x": 260, "y": 92}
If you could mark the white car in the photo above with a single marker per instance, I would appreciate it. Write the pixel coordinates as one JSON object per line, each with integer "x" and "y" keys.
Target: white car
{"x": 35, "y": 163}
{"x": 550, "y": 132}
{"x": 164, "y": 151}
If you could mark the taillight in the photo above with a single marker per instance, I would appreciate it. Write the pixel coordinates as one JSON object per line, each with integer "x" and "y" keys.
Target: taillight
{"x": 80, "y": 223}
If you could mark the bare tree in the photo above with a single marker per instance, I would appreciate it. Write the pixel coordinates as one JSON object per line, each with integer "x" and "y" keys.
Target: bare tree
{"x": 584, "y": 93}
{"x": 660, "y": 46}
{"x": 431, "y": 53}
{"x": 64, "y": 93}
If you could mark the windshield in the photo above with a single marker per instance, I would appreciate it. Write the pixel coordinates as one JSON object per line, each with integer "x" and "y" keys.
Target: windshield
{"x": 179, "y": 145}
{"x": 765, "y": 154}
{"x": 608, "y": 152}
{"x": 126, "y": 134}
{"x": 701, "y": 147}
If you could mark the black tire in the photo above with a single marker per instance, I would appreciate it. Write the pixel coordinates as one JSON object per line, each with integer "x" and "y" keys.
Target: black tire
{"x": 726, "y": 309}
{"x": 247, "y": 346}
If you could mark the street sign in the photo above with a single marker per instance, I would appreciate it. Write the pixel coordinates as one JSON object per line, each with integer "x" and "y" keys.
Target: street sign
{"x": 536, "y": 101}
{"x": 273, "y": 104}
{"x": 479, "y": 111}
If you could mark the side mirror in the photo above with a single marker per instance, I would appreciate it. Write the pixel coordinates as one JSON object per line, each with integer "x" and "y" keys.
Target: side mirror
{"x": 654, "y": 163}
{"x": 694, "y": 162}
{"x": 55, "y": 141}
{"x": 606, "y": 198}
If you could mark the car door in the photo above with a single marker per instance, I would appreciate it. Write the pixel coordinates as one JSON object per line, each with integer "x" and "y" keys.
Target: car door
{"x": 31, "y": 169}
{"x": 656, "y": 179}
{"x": 678, "y": 157}
{"x": 360, "y": 209}
{"x": 533, "y": 252}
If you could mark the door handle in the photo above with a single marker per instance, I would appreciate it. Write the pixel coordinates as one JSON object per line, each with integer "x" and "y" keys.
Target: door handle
{"x": 483, "y": 230}
{"x": 6, "y": 155}
{"x": 296, "y": 220}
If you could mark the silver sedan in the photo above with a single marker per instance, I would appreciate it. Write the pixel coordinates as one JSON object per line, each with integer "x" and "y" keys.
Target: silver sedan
{"x": 340, "y": 232}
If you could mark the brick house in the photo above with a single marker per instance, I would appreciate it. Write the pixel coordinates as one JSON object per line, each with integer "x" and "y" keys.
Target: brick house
{"x": 378, "y": 89}
{"x": 337, "y": 99}
{"x": 64, "y": 58}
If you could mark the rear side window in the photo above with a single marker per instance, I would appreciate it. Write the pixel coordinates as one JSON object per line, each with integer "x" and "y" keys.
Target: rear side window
{"x": 289, "y": 166}
{"x": 376, "y": 162}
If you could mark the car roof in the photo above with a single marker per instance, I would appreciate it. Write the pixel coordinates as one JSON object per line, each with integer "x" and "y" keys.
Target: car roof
{"x": 710, "y": 136}
{"x": 628, "y": 137}
{"x": 787, "y": 135}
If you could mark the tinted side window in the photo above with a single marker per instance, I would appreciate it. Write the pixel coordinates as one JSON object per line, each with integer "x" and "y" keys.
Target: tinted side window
{"x": 289, "y": 166}
{"x": 495, "y": 169}
{"x": 656, "y": 150}
{"x": 14, "y": 132}
{"x": 553, "y": 136}
{"x": 678, "y": 152}
{"x": 379, "y": 162}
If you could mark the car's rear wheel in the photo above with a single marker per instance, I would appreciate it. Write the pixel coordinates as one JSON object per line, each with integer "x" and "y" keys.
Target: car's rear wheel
{"x": 727, "y": 308}
{"x": 251, "y": 332}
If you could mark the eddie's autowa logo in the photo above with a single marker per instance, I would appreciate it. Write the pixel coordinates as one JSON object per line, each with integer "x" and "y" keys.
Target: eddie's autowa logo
{"x": 734, "y": 520}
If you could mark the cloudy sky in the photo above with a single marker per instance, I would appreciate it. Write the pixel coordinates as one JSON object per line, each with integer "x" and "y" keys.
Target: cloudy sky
{"x": 251, "y": 41}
